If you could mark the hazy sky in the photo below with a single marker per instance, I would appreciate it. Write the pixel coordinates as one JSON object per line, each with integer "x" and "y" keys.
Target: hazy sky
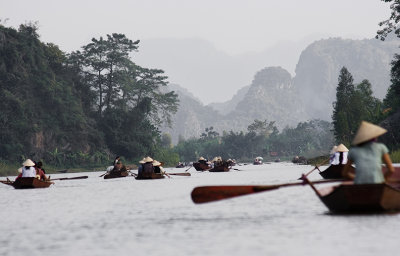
{"x": 232, "y": 26}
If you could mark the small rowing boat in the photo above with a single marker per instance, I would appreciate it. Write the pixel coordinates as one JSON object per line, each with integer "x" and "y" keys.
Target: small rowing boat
{"x": 201, "y": 166}
{"x": 335, "y": 172}
{"x": 116, "y": 174}
{"x": 357, "y": 198}
{"x": 221, "y": 168}
{"x": 150, "y": 176}
{"x": 28, "y": 182}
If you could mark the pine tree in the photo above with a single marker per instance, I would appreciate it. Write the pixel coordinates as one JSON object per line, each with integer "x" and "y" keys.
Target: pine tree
{"x": 342, "y": 115}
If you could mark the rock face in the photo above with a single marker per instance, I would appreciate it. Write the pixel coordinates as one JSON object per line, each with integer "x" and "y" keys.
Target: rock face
{"x": 276, "y": 96}
{"x": 192, "y": 116}
{"x": 271, "y": 96}
{"x": 318, "y": 69}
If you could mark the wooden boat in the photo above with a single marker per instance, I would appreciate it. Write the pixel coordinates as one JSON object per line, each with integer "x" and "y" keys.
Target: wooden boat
{"x": 335, "y": 172}
{"x": 150, "y": 176}
{"x": 358, "y": 198}
{"x": 224, "y": 167}
{"x": 201, "y": 166}
{"x": 28, "y": 182}
{"x": 116, "y": 174}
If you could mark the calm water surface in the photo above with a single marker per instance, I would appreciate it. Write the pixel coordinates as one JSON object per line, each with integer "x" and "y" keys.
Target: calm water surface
{"x": 157, "y": 217}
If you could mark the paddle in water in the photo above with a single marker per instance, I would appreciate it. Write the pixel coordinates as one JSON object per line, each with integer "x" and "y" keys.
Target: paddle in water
{"x": 207, "y": 194}
{"x": 71, "y": 178}
{"x": 180, "y": 174}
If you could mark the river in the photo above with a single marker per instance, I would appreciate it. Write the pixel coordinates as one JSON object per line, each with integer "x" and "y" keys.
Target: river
{"x": 157, "y": 217}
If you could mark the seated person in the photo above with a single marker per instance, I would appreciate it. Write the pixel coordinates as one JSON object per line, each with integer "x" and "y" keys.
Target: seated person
{"x": 28, "y": 169}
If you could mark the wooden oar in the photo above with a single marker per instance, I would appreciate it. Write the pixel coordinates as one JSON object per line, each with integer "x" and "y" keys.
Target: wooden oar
{"x": 214, "y": 193}
{"x": 103, "y": 174}
{"x": 316, "y": 167}
{"x": 180, "y": 174}
{"x": 236, "y": 169}
{"x": 71, "y": 178}
{"x": 132, "y": 173}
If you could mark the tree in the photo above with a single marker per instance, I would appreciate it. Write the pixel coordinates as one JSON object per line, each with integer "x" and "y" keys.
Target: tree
{"x": 104, "y": 61}
{"x": 392, "y": 99}
{"x": 342, "y": 116}
{"x": 262, "y": 128}
{"x": 166, "y": 140}
{"x": 209, "y": 133}
{"x": 392, "y": 23}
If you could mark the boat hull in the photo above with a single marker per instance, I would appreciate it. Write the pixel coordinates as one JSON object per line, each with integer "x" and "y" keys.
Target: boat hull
{"x": 27, "y": 183}
{"x": 362, "y": 198}
{"x": 200, "y": 167}
{"x": 335, "y": 172}
{"x": 220, "y": 169}
{"x": 150, "y": 176}
{"x": 113, "y": 175}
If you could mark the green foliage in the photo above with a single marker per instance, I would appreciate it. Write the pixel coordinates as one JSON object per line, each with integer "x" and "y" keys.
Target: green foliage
{"x": 167, "y": 156}
{"x": 166, "y": 140}
{"x": 308, "y": 138}
{"x": 395, "y": 156}
{"x": 76, "y": 109}
{"x": 353, "y": 105}
{"x": 392, "y": 99}
{"x": 392, "y": 23}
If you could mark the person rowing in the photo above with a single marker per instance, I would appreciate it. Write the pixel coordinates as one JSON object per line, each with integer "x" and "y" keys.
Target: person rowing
{"x": 367, "y": 154}
{"x": 146, "y": 167}
{"x": 340, "y": 156}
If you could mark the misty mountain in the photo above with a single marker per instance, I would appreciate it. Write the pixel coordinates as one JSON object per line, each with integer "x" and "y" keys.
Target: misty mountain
{"x": 209, "y": 73}
{"x": 318, "y": 69}
{"x": 192, "y": 116}
{"x": 277, "y": 96}
{"x": 270, "y": 96}
{"x": 227, "y": 106}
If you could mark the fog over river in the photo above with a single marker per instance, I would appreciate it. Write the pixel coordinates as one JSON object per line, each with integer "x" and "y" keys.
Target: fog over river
{"x": 157, "y": 217}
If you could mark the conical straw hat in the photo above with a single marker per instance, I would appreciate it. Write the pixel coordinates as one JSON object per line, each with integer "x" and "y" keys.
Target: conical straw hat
{"x": 156, "y": 163}
{"x": 342, "y": 148}
{"x": 148, "y": 159}
{"x": 142, "y": 161}
{"x": 366, "y": 132}
{"x": 28, "y": 162}
{"x": 202, "y": 158}
{"x": 333, "y": 150}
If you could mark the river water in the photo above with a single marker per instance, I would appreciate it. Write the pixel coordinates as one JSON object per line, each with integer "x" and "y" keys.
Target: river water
{"x": 157, "y": 217}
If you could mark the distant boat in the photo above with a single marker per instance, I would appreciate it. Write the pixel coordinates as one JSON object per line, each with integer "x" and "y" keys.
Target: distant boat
{"x": 150, "y": 176}
{"x": 63, "y": 171}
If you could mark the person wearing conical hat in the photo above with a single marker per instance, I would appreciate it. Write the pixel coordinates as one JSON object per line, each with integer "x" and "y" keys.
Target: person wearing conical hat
{"x": 28, "y": 169}
{"x": 146, "y": 167}
{"x": 202, "y": 160}
{"x": 340, "y": 156}
{"x": 158, "y": 167}
{"x": 367, "y": 154}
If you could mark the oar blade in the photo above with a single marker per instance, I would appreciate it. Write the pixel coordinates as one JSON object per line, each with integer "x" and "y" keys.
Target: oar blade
{"x": 181, "y": 174}
{"x": 207, "y": 194}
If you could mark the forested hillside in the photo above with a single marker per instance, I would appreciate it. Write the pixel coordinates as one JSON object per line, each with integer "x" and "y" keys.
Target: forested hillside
{"x": 78, "y": 108}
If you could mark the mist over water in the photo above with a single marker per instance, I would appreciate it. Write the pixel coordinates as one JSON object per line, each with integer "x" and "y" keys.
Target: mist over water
{"x": 157, "y": 217}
